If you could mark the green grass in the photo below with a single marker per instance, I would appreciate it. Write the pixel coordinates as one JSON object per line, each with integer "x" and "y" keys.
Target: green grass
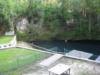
{"x": 14, "y": 58}
{"x": 5, "y": 39}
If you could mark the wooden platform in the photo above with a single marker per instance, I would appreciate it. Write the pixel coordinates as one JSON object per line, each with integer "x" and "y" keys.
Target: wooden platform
{"x": 79, "y": 54}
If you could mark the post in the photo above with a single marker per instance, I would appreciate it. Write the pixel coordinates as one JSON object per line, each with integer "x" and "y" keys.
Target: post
{"x": 69, "y": 71}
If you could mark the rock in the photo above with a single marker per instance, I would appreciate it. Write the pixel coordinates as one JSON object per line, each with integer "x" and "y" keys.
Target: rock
{"x": 10, "y": 33}
{"x": 22, "y": 25}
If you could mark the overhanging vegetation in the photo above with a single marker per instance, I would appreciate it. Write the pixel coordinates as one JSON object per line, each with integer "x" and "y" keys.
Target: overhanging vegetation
{"x": 60, "y": 19}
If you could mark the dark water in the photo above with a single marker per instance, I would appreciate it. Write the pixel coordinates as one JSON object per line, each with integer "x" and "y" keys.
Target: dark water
{"x": 62, "y": 46}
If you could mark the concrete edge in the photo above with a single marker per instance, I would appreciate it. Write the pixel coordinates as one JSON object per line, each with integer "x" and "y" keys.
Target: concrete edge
{"x": 10, "y": 44}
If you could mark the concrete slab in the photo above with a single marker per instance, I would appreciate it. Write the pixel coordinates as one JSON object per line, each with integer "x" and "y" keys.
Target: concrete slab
{"x": 50, "y": 60}
{"x": 79, "y": 54}
{"x": 98, "y": 59}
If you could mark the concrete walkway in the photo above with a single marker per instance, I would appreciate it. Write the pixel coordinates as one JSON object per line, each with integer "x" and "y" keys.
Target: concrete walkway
{"x": 98, "y": 59}
{"x": 49, "y": 61}
{"x": 79, "y": 54}
{"x": 23, "y": 44}
{"x": 79, "y": 67}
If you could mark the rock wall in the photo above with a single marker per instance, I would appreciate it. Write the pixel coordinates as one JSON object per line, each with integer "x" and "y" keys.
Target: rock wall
{"x": 22, "y": 25}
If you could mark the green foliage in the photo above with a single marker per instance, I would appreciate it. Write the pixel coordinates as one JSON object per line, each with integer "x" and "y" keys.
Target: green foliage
{"x": 51, "y": 18}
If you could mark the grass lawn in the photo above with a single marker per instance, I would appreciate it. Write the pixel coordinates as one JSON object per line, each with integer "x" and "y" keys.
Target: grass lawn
{"x": 5, "y": 39}
{"x": 14, "y": 58}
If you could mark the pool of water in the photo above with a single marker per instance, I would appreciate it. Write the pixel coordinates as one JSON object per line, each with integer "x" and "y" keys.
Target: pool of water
{"x": 62, "y": 46}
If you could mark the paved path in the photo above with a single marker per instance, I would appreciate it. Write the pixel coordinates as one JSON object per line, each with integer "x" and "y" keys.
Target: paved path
{"x": 79, "y": 54}
{"x": 78, "y": 67}
{"x": 23, "y": 44}
{"x": 49, "y": 61}
{"x": 98, "y": 59}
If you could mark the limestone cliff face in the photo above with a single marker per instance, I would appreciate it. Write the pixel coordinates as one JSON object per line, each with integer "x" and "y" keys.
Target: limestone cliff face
{"x": 22, "y": 25}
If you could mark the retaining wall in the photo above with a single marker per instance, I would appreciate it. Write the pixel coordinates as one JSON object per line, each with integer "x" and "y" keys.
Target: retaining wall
{"x": 10, "y": 44}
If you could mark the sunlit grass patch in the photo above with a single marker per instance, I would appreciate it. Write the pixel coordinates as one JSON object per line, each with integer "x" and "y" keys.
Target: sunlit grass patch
{"x": 14, "y": 58}
{"x": 5, "y": 39}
